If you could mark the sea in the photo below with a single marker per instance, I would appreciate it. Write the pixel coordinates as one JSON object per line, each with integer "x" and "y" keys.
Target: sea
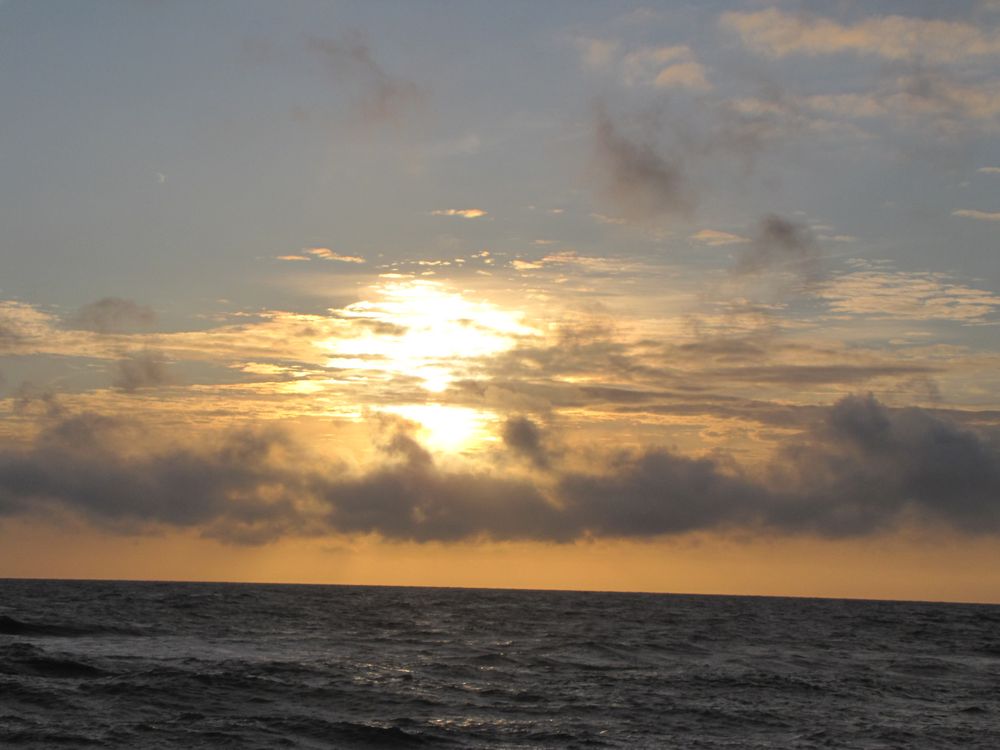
{"x": 104, "y": 664}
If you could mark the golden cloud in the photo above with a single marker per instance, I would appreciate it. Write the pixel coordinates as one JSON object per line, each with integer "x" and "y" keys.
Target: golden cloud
{"x": 465, "y": 213}
{"x": 327, "y": 254}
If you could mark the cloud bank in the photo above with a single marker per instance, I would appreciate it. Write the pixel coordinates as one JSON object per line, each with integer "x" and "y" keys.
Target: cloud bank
{"x": 857, "y": 468}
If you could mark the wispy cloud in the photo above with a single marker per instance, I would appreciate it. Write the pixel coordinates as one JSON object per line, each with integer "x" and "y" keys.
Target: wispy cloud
{"x": 687, "y": 75}
{"x": 780, "y": 244}
{"x": 140, "y": 370}
{"x": 664, "y": 67}
{"x": 639, "y": 180}
{"x": 326, "y": 253}
{"x": 112, "y": 315}
{"x": 716, "y": 238}
{"x": 382, "y": 97}
{"x": 934, "y": 96}
{"x": 971, "y": 213}
{"x": 775, "y": 33}
{"x": 526, "y": 265}
{"x": 907, "y": 296}
{"x": 465, "y": 213}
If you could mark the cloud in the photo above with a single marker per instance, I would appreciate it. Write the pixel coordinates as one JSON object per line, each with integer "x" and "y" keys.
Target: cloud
{"x": 857, "y": 468}
{"x": 382, "y": 97}
{"x": 657, "y": 67}
{"x": 906, "y": 296}
{"x": 326, "y": 253}
{"x": 800, "y": 375}
{"x": 747, "y": 124}
{"x": 9, "y": 337}
{"x": 689, "y": 75}
{"x": 292, "y": 257}
{"x": 605, "y": 219}
{"x": 465, "y": 213}
{"x": 526, "y": 265}
{"x": 938, "y": 97}
{"x": 865, "y": 466}
{"x": 141, "y": 370}
{"x": 862, "y": 468}
{"x": 639, "y": 181}
{"x": 664, "y": 67}
{"x": 524, "y": 437}
{"x": 715, "y": 238}
{"x": 112, "y": 315}
{"x": 104, "y": 469}
{"x": 780, "y": 244}
{"x": 989, "y": 170}
{"x": 969, "y": 213}
{"x": 774, "y": 33}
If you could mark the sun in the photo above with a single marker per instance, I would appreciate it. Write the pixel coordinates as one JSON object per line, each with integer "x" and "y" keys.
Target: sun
{"x": 448, "y": 429}
{"x": 421, "y": 328}
{"x": 425, "y": 333}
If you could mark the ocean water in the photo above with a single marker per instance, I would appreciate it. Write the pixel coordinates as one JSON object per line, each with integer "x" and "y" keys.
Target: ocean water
{"x": 184, "y": 665}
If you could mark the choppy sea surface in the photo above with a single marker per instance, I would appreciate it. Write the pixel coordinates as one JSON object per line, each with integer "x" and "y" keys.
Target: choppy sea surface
{"x": 188, "y": 665}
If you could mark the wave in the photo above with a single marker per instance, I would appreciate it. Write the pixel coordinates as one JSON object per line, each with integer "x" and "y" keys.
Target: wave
{"x": 26, "y": 660}
{"x": 12, "y": 626}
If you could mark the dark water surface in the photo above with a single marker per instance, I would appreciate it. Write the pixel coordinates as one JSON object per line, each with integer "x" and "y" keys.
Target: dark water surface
{"x": 152, "y": 665}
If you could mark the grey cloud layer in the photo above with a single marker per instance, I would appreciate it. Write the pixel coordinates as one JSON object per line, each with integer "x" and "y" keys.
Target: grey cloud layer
{"x": 857, "y": 468}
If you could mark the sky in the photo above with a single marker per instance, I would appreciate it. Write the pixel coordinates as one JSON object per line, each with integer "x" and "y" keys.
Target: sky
{"x": 681, "y": 296}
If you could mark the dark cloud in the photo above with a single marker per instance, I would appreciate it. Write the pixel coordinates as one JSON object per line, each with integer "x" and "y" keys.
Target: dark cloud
{"x": 141, "y": 370}
{"x": 382, "y": 97}
{"x": 657, "y": 492}
{"x": 419, "y": 501}
{"x": 524, "y": 437}
{"x": 658, "y": 161}
{"x": 866, "y": 465}
{"x": 858, "y": 468}
{"x": 112, "y": 315}
{"x": 862, "y": 468}
{"x": 638, "y": 180}
{"x": 102, "y": 469}
{"x": 781, "y": 244}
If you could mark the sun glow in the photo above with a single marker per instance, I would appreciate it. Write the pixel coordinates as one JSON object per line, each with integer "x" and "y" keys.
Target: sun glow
{"x": 419, "y": 328}
{"x": 448, "y": 429}
{"x": 423, "y": 330}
